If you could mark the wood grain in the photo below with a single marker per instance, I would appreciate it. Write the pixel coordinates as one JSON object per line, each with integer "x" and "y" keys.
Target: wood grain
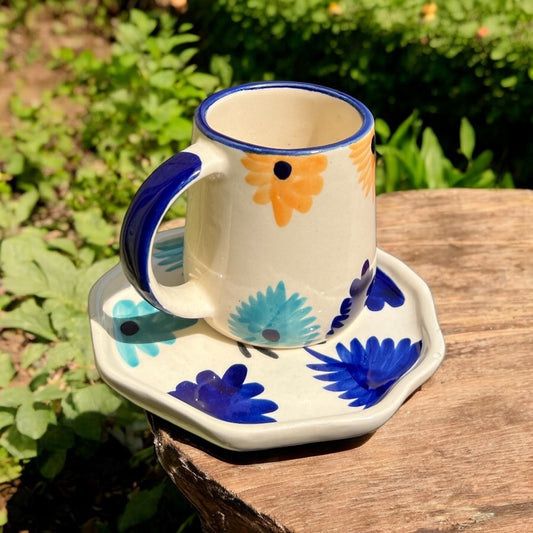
{"x": 457, "y": 456}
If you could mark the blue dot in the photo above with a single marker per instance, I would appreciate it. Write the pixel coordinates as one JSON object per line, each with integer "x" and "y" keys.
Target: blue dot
{"x": 282, "y": 170}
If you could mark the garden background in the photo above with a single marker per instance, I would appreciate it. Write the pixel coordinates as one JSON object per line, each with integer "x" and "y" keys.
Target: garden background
{"x": 95, "y": 94}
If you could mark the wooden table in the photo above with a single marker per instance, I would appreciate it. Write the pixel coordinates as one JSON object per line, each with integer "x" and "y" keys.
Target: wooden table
{"x": 457, "y": 456}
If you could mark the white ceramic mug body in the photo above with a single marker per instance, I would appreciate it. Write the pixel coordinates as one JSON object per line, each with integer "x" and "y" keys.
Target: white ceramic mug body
{"x": 280, "y": 238}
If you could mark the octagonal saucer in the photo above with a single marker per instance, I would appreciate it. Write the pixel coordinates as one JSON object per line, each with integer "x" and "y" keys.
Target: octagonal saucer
{"x": 244, "y": 398}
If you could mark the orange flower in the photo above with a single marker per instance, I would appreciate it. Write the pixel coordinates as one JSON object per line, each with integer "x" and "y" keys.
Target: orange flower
{"x": 288, "y": 182}
{"x": 334, "y": 8}
{"x": 482, "y": 31}
{"x": 364, "y": 158}
{"x": 429, "y": 11}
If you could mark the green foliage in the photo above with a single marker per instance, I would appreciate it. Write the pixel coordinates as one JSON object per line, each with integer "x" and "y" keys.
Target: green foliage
{"x": 447, "y": 59}
{"x": 93, "y": 140}
{"x": 407, "y": 163}
{"x": 68, "y": 168}
{"x": 145, "y": 93}
{"x": 71, "y": 162}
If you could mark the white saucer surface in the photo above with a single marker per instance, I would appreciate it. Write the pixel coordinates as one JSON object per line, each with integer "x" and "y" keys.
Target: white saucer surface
{"x": 245, "y": 398}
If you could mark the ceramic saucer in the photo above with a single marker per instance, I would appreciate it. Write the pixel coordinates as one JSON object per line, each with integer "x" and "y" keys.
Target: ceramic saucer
{"x": 245, "y": 398}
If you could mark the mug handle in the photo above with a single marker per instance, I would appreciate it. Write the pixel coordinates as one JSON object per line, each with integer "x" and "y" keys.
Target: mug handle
{"x": 143, "y": 217}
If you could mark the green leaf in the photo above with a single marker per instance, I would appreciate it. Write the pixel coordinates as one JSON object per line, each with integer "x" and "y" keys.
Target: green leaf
{"x": 60, "y": 355}
{"x": 33, "y": 419}
{"x": 49, "y": 393}
{"x": 98, "y": 398}
{"x": 50, "y": 464}
{"x": 206, "y": 82}
{"x": 145, "y": 24}
{"x": 221, "y": 67}
{"x": 59, "y": 275}
{"x": 163, "y": 79}
{"x": 7, "y": 370}
{"x": 29, "y": 317}
{"x": 141, "y": 507}
{"x": 65, "y": 245}
{"x": 21, "y": 275}
{"x": 15, "y": 396}
{"x": 19, "y": 445}
{"x": 433, "y": 157}
{"x": 15, "y": 165}
{"x": 92, "y": 227}
{"x": 57, "y": 437}
{"x": 10, "y": 469}
{"x": 509, "y": 82}
{"x": 7, "y": 417}
{"x": 33, "y": 353}
{"x": 88, "y": 277}
{"x": 467, "y": 138}
{"x": 382, "y": 130}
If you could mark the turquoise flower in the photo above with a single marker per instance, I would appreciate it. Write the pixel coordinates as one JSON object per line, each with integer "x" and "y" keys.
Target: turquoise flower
{"x": 141, "y": 328}
{"x": 169, "y": 253}
{"x": 273, "y": 319}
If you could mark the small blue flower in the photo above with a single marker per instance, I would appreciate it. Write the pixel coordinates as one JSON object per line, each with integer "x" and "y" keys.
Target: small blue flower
{"x": 227, "y": 398}
{"x": 383, "y": 290}
{"x": 354, "y": 302}
{"x": 141, "y": 327}
{"x": 365, "y": 374}
{"x": 169, "y": 253}
{"x": 273, "y": 319}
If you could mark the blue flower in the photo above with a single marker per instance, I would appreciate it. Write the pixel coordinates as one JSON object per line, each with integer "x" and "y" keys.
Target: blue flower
{"x": 383, "y": 290}
{"x": 365, "y": 374}
{"x": 141, "y": 327}
{"x": 169, "y": 253}
{"x": 354, "y": 302}
{"x": 227, "y": 398}
{"x": 273, "y": 319}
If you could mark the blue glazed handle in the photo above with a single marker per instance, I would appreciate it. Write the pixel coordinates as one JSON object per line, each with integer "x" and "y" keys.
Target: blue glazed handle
{"x": 143, "y": 217}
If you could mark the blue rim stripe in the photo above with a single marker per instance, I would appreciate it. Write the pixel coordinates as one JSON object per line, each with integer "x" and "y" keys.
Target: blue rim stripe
{"x": 144, "y": 215}
{"x": 208, "y": 131}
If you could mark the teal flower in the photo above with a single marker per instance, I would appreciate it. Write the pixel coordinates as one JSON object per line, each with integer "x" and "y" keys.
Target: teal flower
{"x": 169, "y": 253}
{"x": 273, "y": 319}
{"x": 140, "y": 328}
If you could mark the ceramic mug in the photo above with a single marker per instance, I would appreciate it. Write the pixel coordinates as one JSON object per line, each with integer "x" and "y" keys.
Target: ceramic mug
{"x": 280, "y": 237}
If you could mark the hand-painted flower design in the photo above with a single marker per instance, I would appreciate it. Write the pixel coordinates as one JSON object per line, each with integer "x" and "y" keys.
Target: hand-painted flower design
{"x": 169, "y": 253}
{"x": 273, "y": 319}
{"x": 383, "y": 291}
{"x": 363, "y": 154}
{"x": 354, "y": 303}
{"x": 228, "y": 397}
{"x": 141, "y": 328}
{"x": 288, "y": 182}
{"x": 364, "y": 374}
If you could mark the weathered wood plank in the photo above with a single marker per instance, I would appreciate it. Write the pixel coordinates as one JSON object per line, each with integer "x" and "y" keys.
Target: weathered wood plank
{"x": 458, "y": 455}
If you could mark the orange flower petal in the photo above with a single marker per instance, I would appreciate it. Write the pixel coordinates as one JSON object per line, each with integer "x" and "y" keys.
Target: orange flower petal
{"x": 309, "y": 185}
{"x": 257, "y": 163}
{"x": 262, "y": 196}
{"x": 364, "y": 160}
{"x": 282, "y": 212}
{"x": 258, "y": 179}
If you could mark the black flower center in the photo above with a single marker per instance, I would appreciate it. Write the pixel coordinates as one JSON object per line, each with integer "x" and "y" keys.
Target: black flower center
{"x": 282, "y": 170}
{"x": 271, "y": 335}
{"x": 129, "y": 328}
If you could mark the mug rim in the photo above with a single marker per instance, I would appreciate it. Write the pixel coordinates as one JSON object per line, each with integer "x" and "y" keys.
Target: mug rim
{"x": 211, "y": 133}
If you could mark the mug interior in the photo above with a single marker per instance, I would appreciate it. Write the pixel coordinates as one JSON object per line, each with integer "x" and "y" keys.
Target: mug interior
{"x": 283, "y": 117}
